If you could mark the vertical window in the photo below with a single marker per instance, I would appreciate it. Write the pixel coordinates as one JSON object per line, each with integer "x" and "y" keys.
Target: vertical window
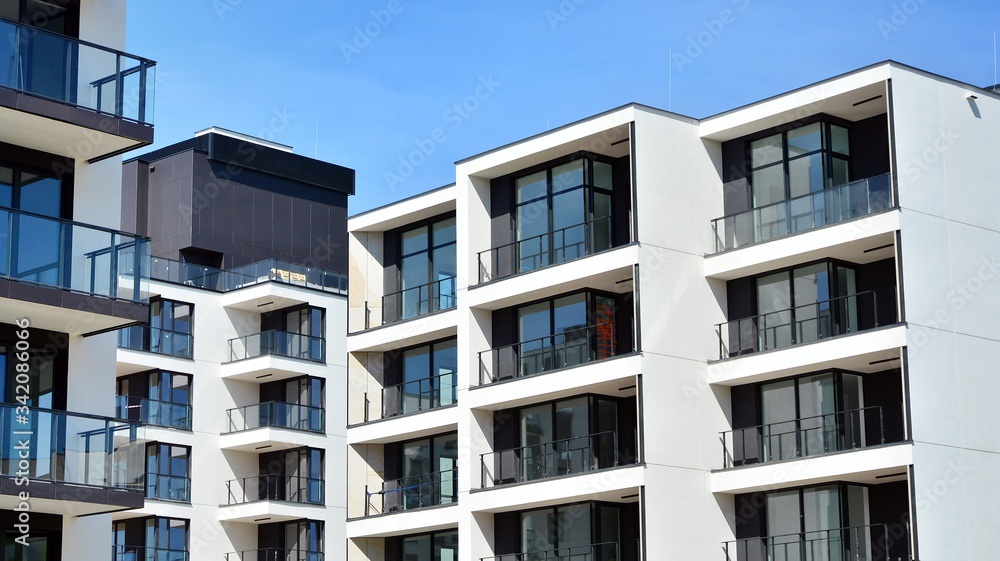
{"x": 157, "y": 398}
{"x": 589, "y": 530}
{"x": 301, "y": 538}
{"x": 166, "y": 538}
{"x": 305, "y": 329}
{"x": 36, "y": 248}
{"x": 568, "y": 436}
{"x": 168, "y": 472}
{"x": 798, "y": 162}
{"x": 429, "y": 471}
{"x": 440, "y": 546}
{"x": 806, "y": 304}
{"x": 566, "y": 331}
{"x": 427, "y": 269}
{"x": 301, "y": 477}
{"x": 428, "y": 379}
{"x": 171, "y": 325}
{"x": 306, "y": 401}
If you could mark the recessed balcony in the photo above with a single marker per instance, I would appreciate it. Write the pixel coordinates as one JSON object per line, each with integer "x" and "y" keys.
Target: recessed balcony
{"x": 418, "y": 301}
{"x": 273, "y": 554}
{"x": 871, "y": 543}
{"x": 416, "y": 396}
{"x": 154, "y": 412}
{"x": 413, "y": 493}
{"x": 591, "y": 552}
{"x": 73, "y": 269}
{"x": 139, "y": 552}
{"x": 275, "y": 487}
{"x": 572, "y": 347}
{"x": 277, "y": 343}
{"x": 545, "y": 460}
{"x": 804, "y": 213}
{"x": 97, "y": 101}
{"x": 157, "y": 341}
{"x": 168, "y": 487}
{"x": 277, "y": 414}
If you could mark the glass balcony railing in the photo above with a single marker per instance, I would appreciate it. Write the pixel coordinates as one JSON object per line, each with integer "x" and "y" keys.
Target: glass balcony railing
{"x": 75, "y": 72}
{"x": 569, "y": 456}
{"x": 273, "y": 487}
{"x": 168, "y": 487}
{"x": 808, "y": 436}
{"x": 71, "y": 448}
{"x": 73, "y": 256}
{"x": 153, "y": 412}
{"x": 268, "y": 270}
{"x": 545, "y": 250}
{"x": 802, "y": 324}
{"x": 867, "y": 543}
{"x": 277, "y": 414}
{"x": 413, "y": 492}
{"x": 804, "y": 213}
{"x": 572, "y": 347}
{"x": 278, "y": 343}
{"x": 143, "y": 553}
{"x": 420, "y": 300}
{"x": 275, "y": 554}
{"x": 593, "y": 552}
{"x": 419, "y": 395}
{"x": 155, "y": 340}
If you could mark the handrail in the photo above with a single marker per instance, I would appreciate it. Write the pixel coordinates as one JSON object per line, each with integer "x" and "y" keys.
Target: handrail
{"x": 592, "y": 552}
{"x": 413, "y": 492}
{"x": 157, "y": 336}
{"x": 274, "y": 554}
{"x": 597, "y": 348}
{"x": 160, "y": 487}
{"x": 432, "y": 395}
{"x": 586, "y": 246}
{"x": 850, "y": 434}
{"x": 124, "y": 552}
{"x": 753, "y": 334}
{"x": 40, "y": 30}
{"x": 872, "y": 542}
{"x": 278, "y": 414}
{"x": 124, "y": 403}
{"x": 833, "y": 210}
{"x": 550, "y": 459}
{"x": 278, "y": 343}
{"x": 68, "y": 222}
{"x": 432, "y": 301}
{"x": 275, "y": 487}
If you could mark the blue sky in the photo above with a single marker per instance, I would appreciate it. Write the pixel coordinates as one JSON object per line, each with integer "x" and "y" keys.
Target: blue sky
{"x": 431, "y": 82}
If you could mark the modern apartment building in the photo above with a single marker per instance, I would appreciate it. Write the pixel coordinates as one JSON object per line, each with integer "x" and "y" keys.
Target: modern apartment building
{"x": 236, "y": 374}
{"x": 763, "y": 334}
{"x": 71, "y": 101}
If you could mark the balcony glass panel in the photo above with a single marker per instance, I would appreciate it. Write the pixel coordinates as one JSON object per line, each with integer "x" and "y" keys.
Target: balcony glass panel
{"x": 155, "y": 340}
{"x": 275, "y": 554}
{"x": 413, "y": 492}
{"x": 70, "y": 448}
{"x": 277, "y": 414}
{"x": 275, "y": 487}
{"x": 73, "y": 256}
{"x": 68, "y": 70}
{"x": 153, "y": 412}
{"x": 572, "y": 347}
{"x": 855, "y": 543}
{"x": 278, "y": 343}
{"x": 773, "y": 220}
{"x": 140, "y": 553}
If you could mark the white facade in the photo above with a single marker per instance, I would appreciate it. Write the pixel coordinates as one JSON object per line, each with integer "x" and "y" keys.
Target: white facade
{"x": 928, "y": 253}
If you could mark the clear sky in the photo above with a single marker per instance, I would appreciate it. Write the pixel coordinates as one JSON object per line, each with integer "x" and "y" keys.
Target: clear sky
{"x": 400, "y": 89}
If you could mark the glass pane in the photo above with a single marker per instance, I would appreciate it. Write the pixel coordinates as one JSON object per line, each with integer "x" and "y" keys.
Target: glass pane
{"x": 821, "y": 512}
{"x": 537, "y": 532}
{"x": 814, "y": 313}
{"x": 603, "y": 175}
{"x": 446, "y": 546}
{"x": 416, "y": 364}
{"x": 537, "y": 433}
{"x": 805, "y": 175}
{"x": 768, "y": 185}
{"x": 818, "y": 407}
{"x": 531, "y": 187}
{"x": 572, "y": 450}
{"x": 783, "y": 526}
{"x": 532, "y": 222}
{"x": 569, "y": 212}
{"x": 840, "y": 172}
{"x": 443, "y": 263}
{"x": 446, "y": 457}
{"x": 574, "y": 531}
{"x": 444, "y": 232}
{"x": 414, "y": 240}
{"x": 38, "y": 246}
{"x": 567, "y": 176}
{"x": 533, "y": 323}
{"x": 848, "y": 307}
{"x": 773, "y": 302}
{"x": 805, "y": 139}
{"x": 778, "y": 415}
{"x": 601, "y": 226}
{"x": 6, "y": 187}
{"x": 765, "y": 151}
{"x": 840, "y": 141}
{"x": 570, "y": 313}
{"x": 417, "y": 548}
{"x": 41, "y": 195}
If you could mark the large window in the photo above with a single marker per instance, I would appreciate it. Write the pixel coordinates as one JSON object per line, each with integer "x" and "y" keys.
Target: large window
{"x": 800, "y": 161}
{"x": 306, "y": 329}
{"x": 157, "y": 398}
{"x": 562, "y": 213}
{"x": 169, "y": 330}
{"x": 428, "y": 379}
{"x": 427, "y": 270}
{"x": 429, "y": 468}
{"x": 439, "y": 546}
{"x": 579, "y": 531}
{"x": 565, "y": 331}
{"x": 293, "y": 475}
{"x": 159, "y": 539}
{"x": 168, "y": 472}
{"x": 38, "y": 251}
{"x": 806, "y": 304}
{"x": 568, "y": 437}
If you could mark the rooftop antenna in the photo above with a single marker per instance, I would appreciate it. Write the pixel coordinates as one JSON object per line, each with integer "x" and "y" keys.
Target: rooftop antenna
{"x": 670, "y": 82}
{"x": 994, "y": 61}
{"x": 316, "y": 149}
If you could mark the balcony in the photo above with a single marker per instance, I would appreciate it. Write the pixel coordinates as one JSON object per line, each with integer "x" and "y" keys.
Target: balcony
{"x": 868, "y": 543}
{"x": 143, "y": 553}
{"x": 168, "y": 487}
{"x": 272, "y": 487}
{"x": 268, "y": 270}
{"x": 570, "y": 456}
{"x": 802, "y": 324}
{"x": 277, "y": 343}
{"x": 803, "y": 213}
{"x": 808, "y": 436}
{"x": 157, "y": 341}
{"x": 154, "y": 412}
{"x": 551, "y": 248}
{"x": 413, "y": 493}
{"x": 593, "y": 552}
{"x": 277, "y": 414}
{"x": 41, "y": 253}
{"x": 420, "y": 300}
{"x": 81, "y": 87}
{"x": 570, "y": 348}
{"x": 274, "y": 554}
{"x": 418, "y": 395}
{"x": 76, "y": 463}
